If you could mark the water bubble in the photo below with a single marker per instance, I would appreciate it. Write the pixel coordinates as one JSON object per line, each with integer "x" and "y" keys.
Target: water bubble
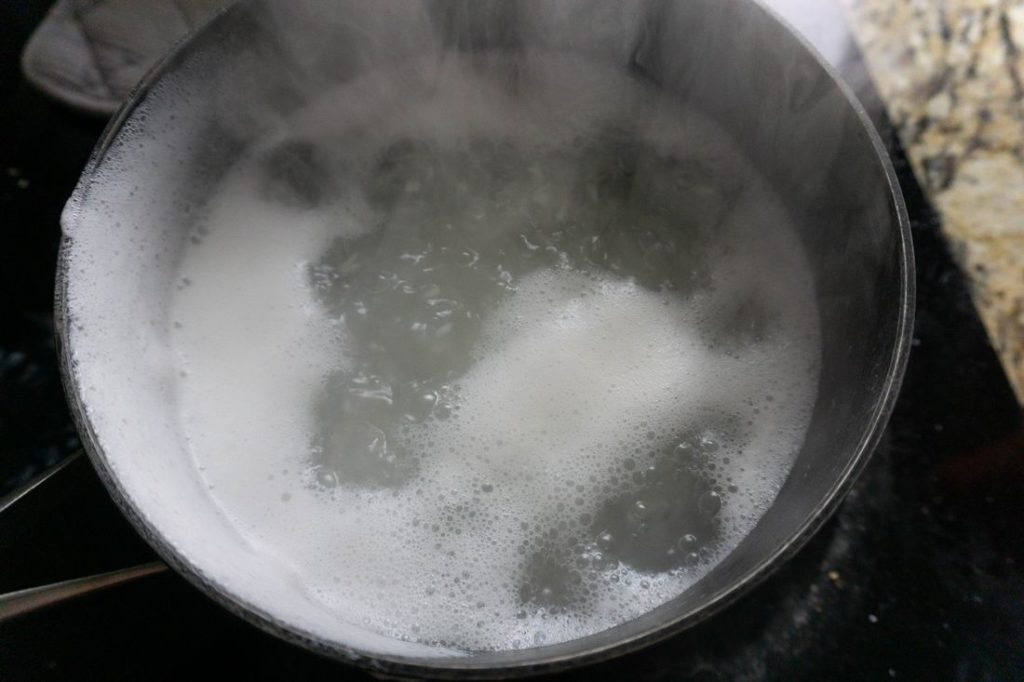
{"x": 688, "y": 541}
{"x": 326, "y": 478}
{"x": 710, "y": 503}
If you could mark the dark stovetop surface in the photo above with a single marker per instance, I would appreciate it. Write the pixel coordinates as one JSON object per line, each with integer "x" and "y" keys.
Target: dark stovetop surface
{"x": 918, "y": 576}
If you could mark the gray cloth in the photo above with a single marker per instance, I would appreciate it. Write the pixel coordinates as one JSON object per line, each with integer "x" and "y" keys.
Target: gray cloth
{"x": 91, "y": 53}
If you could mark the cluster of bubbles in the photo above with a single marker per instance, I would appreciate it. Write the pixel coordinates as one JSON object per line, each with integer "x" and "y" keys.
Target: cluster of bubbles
{"x": 456, "y": 229}
{"x": 454, "y": 267}
{"x": 557, "y": 546}
{"x": 548, "y": 409}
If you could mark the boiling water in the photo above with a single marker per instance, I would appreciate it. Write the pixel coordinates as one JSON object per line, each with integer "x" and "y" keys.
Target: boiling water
{"x": 491, "y": 357}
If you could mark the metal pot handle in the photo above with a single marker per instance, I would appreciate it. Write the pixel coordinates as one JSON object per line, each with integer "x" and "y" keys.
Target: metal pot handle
{"x": 61, "y": 526}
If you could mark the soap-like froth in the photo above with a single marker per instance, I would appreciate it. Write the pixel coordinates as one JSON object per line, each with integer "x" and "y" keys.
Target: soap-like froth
{"x": 613, "y": 420}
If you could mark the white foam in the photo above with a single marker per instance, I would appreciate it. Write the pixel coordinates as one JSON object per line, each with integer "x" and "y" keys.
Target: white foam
{"x": 571, "y": 372}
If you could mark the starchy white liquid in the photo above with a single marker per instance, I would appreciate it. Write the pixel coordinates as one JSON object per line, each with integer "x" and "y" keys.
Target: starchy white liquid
{"x": 454, "y": 432}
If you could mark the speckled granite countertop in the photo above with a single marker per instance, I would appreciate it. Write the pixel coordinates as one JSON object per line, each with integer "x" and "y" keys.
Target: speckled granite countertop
{"x": 951, "y": 73}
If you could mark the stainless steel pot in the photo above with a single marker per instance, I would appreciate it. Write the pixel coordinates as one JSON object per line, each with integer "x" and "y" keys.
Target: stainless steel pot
{"x": 732, "y": 59}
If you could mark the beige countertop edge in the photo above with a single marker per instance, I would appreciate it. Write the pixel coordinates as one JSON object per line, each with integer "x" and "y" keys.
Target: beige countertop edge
{"x": 951, "y": 73}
